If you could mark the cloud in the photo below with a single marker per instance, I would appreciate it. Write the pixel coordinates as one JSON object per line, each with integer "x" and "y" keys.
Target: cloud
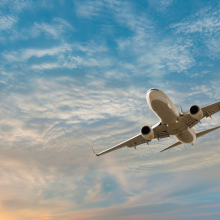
{"x": 54, "y": 29}
{"x": 49, "y": 136}
{"x": 45, "y": 66}
{"x": 7, "y": 22}
{"x": 89, "y": 49}
{"x": 160, "y": 5}
{"x": 166, "y": 59}
{"x": 88, "y": 9}
{"x": 206, "y": 21}
{"x": 50, "y": 116}
{"x": 214, "y": 46}
{"x": 69, "y": 56}
{"x": 206, "y": 25}
{"x": 152, "y": 54}
{"x": 10, "y": 19}
{"x": 149, "y": 54}
{"x": 23, "y": 55}
{"x": 16, "y": 6}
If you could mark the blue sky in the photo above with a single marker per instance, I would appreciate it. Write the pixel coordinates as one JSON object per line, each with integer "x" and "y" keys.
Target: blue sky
{"x": 74, "y": 75}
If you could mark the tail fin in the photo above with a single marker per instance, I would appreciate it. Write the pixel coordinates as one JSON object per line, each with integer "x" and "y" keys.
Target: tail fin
{"x": 200, "y": 134}
{"x": 181, "y": 110}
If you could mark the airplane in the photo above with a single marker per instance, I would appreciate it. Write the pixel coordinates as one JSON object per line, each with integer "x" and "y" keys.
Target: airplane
{"x": 172, "y": 122}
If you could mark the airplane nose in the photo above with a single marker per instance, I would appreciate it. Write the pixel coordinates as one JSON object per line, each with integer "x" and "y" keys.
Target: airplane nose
{"x": 151, "y": 90}
{"x": 150, "y": 94}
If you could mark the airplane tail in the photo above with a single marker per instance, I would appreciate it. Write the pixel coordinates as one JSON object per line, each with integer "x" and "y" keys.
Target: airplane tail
{"x": 181, "y": 110}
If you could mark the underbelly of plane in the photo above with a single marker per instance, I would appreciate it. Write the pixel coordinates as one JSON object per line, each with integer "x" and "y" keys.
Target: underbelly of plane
{"x": 164, "y": 111}
{"x": 175, "y": 125}
{"x": 187, "y": 137}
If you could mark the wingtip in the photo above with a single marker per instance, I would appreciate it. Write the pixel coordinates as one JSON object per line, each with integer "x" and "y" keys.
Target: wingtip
{"x": 94, "y": 152}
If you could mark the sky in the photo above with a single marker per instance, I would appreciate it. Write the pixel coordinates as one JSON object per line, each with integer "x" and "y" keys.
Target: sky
{"x": 74, "y": 75}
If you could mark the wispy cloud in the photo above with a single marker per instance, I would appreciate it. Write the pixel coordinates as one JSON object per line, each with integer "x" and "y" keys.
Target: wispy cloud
{"x": 153, "y": 55}
{"x": 66, "y": 55}
{"x": 9, "y": 16}
{"x": 59, "y": 98}
{"x": 206, "y": 21}
{"x": 160, "y": 5}
{"x": 54, "y": 29}
{"x": 88, "y": 9}
{"x": 23, "y": 55}
{"x": 45, "y": 66}
{"x": 16, "y": 6}
{"x": 7, "y": 22}
{"x": 206, "y": 24}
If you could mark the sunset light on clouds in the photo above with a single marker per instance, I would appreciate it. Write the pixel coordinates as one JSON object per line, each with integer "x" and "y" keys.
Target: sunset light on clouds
{"x": 74, "y": 75}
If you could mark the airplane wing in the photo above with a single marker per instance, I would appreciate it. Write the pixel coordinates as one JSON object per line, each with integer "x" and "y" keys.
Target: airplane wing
{"x": 160, "y": 131}
{"x": 207, "y": 112}
{"x": 133, "y": 142}
{"x": 211, "y": 109}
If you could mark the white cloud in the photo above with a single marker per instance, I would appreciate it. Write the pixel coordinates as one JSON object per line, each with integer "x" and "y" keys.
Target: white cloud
{"x": 88, "y": 9}
{"x": 55, "y": 29}
{"x": 26, "y": 54}
{"x": 66, "y": 56}
{"x": 166, "y": 2}
{"x": 206, "y": 21}
{"x": 48, "y": 123}
{"x": 163, "y": 59}
{"x": 151, "y": 53}
{"x": 206, "y": 24}
{"x": 45, "y": 66}
{"x": 160, "y": 5}
{"x": 49, "y": 136}
{"x": 56, "y": 103}
{"x": 65, "y": 51}
{"x": 16, "y": 6}
{"x": 7, "y": 22}
{"x": 10, "y": 19}
{"x": 214, "y": 45}
{"x": 91, "y": 48}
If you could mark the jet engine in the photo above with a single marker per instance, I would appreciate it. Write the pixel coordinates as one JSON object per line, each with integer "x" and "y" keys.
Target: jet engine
{"x": 147, "y": 133}
{"x": 196, "y": 112}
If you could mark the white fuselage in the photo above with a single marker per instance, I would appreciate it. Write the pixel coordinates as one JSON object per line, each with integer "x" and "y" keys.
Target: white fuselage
{"x": 169, "y": 115}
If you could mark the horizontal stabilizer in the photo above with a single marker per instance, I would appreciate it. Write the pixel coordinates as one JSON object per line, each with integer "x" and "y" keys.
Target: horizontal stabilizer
{"x": 174, "y": 145}
{"x": 200, "y": 134}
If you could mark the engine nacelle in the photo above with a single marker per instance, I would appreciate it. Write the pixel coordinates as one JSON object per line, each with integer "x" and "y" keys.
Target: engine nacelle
{"x": 196, "y": 112}
{"x": 147, "y": 133}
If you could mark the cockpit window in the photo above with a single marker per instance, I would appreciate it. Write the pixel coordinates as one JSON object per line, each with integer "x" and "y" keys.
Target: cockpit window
{"x": 152, "y": 90}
